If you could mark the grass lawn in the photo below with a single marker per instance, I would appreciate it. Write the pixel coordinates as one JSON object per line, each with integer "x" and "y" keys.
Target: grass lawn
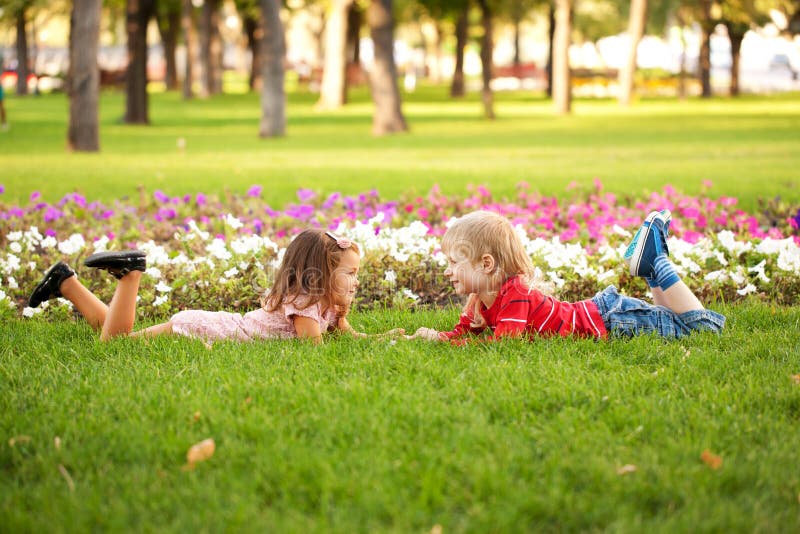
{"x": 364, "y": 436}
{"x": 746, "y": 147}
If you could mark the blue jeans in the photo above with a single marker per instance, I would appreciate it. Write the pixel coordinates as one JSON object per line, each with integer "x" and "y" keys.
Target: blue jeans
{"x": 627, "y": 316}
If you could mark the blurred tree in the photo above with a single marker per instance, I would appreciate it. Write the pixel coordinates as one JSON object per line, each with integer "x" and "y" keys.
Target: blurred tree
{"x": 273, "y": 96}
{"x": 791, "y": 10}
{"x": 16, "y": 12}
{"x": 462, "y": 31}
{"x": 487, "y": 47}
{"x": 83, "y": 79}
{"x": 190, "y": 42}
{"x": 333, "y": 90}
{"x": 250, "y": 13}
{"x": 210, "y": 49}
{"x": 388, "y": 116}
{"x": 168, "y": 16}
{"x": 562, "y": 91}
{"x": 636, "y": 24}
{"x": 738, "y": 16}
{"x": 138, "y": 15}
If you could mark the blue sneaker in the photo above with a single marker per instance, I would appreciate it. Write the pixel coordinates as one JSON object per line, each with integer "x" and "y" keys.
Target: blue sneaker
{"x": 666, "y": 215}
{"x": 651, "y": 243}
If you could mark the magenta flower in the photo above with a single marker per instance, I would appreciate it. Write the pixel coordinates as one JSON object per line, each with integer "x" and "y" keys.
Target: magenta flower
{"x": 2, "y": 189}
{"x": 160, "y": 196}
{"x": 35, "y": 195}
{"x": 331, "y": 201}
{"x": 306, "y": 195}
{"x": 200, "y": 199}
{"x": 52, "y": 214}
{"x": 254, "y": 191}
{"x": 50, "y": 232}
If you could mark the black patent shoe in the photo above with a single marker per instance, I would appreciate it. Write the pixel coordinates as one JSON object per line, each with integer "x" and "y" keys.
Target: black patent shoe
{"x": 118, "y": 263}
{"x": 50, "y": 286}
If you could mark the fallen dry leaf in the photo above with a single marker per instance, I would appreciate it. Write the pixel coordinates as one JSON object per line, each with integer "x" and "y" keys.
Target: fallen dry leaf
{"x": 18, "y": 439}
{"x": 436, "y": 529}
{"x": 711, "y": 460}
{"x": 200, "y": 452}
{"x": 796, "y": 379}
{"x": 625, "y": 469}
{"x": 57, "y": 443}
{"x": 196, "y": 416}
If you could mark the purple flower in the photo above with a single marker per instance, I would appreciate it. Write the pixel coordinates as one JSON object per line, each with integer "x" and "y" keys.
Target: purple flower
{"x": 50, "y": 232}
{"x": 35, "y": 195}
{"x": 254, "y": 191}
{"x": 16, "y": 212}
{"x": 187, "y": 199}
{"x": 306, "y": 195}
{"x": 107, "y": 214}
{"x": 331, "y": 200}
{"x": 79, "y": 199}
{"x": 52, "y": 214}
{"x": 2, "y": 189}
{"x": 200, "y": 199}
{"x": 271, "y": 212}
{"x": 302, "y": 211}
{"x": 160, "y": 196}
{"x": 796, "y": 219}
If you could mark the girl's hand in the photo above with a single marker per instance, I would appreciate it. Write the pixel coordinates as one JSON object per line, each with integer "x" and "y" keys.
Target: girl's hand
{"x": 395, "y": 332}
{"x": 428, "y": 334}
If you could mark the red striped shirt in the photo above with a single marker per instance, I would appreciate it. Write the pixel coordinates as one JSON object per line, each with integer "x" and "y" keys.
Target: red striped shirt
{"x": 520, "y": 311}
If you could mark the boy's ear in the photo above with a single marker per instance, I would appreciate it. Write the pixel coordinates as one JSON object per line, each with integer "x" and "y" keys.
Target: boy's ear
{"x": 488, "y": 263}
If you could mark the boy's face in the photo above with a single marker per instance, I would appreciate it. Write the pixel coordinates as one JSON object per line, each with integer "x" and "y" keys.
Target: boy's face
{"x": 466, "y": 277}
{"x": 345, "y": 278}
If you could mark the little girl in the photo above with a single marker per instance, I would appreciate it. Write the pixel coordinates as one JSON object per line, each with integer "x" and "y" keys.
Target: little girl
{"x": 487, "y": 261}
{"x": 312, "y": 293}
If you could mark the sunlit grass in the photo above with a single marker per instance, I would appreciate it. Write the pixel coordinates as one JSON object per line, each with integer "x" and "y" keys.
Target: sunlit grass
{"x": 747, "y": 148}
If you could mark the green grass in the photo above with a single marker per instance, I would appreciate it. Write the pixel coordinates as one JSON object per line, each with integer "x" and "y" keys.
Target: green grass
{"x": 364, "y": 436}
{"x": 746, "y": 147}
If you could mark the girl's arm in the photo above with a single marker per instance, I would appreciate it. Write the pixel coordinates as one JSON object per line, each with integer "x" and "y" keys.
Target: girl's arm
{"x": 345, "y": 326}
{"x": 307, "y": 328}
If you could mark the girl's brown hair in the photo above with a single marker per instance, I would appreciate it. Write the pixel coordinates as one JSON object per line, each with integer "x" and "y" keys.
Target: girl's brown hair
{"x": 485, "y": 232}
{"x": 306, "y": 271}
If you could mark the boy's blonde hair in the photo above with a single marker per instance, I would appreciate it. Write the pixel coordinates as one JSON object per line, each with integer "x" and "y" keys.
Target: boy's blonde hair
{"x": 485, "y": 232}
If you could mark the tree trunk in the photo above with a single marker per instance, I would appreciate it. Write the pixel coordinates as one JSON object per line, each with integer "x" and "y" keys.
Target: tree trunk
{"x": 551, "y": 33}
{"x": 517, "y": 60}
{"x": 217, "y": 49}
{"x": 136, "y": 104}
{"x": 705, "y": 62}
{"x": 353, "y": 41}
{"x": 562, "y": 92}
{"x": 22, "y": 53}
{"x": 190, "y": 41}
{"x": 736, "y": 36}
{"x": 436, "y": 72}
{"x": 462, "y": 26}
{"x": 388, "y": 117}
{"x": 168, "y": 26}
{"x": 83, "y": 81}
{"x": 487, "y": 97}
{"x": 636, "y": 21}
{"x": 273, "y": 95}
{"x": 211, "y": 49}
{"x": 255, "y": 34}
{"x": 333, "y": 91}
{"x": 682, "y": 74}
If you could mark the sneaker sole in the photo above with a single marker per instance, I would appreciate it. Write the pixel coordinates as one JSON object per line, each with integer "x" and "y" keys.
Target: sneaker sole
{"x": 636, "y": 257}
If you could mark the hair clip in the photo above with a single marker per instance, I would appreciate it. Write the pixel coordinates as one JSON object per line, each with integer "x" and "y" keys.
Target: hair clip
{"x": 343, "y": 242}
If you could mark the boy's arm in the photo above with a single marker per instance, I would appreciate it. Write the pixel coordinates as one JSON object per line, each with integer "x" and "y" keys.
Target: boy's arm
{"x": 460, "y": 330}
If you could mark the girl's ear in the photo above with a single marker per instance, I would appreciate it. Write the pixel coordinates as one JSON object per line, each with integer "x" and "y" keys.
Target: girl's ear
{"x": 488, "y": 263}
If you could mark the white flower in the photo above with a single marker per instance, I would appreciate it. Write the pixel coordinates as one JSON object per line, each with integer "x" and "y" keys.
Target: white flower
{"x": 154, "y": 272}
{"x": 48, "y": 242}
{"x": 218, "y": 250}
{"x": 14, "y": 236}
{"x": 30, "y": 312}
{"x": 161, "y": 287}
{"x": 160, "y": 300}
{"x": 72, "y": 245}
{"x": 230, "y": 273}
{"x": 409, "y": 294}
{"x": 101, "y": 245}
{"x": 12, "y": 264}
{"x": 759, "y": 269}
{"x": 12, "y": 283}
{"x": 719, "y": 275}
{"x": 390, "y": 276}
{"x": 15, "y": 247}
{"x": 749, "y": 288}
{"x": 233, "y": 222}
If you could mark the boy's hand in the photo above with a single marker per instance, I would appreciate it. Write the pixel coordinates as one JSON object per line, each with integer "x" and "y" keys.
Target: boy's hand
{"x": 428, "y": 334}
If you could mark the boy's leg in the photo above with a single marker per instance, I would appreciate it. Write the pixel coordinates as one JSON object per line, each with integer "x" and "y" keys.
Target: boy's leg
{"x": 91, "y": 307}
{"x": 650, "y": 260}
{"x": 122, "y": 310}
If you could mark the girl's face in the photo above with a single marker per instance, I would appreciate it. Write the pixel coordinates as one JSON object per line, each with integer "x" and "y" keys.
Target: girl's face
{"x": 345, "y": 278}
{"x": 466, "y": 277}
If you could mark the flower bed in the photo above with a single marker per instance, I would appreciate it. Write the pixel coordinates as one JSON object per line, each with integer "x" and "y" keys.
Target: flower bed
{"x": 208, "y": 252}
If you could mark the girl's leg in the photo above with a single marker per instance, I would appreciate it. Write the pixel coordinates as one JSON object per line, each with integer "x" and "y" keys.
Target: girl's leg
{"x": 122, "y": 310}
{"x": 91, "y": 307}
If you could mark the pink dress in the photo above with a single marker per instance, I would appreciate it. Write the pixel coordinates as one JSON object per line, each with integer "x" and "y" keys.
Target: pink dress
{"x": 258, "y": 324}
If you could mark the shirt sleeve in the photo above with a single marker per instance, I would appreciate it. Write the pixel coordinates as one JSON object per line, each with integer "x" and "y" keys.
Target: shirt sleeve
{"x": 461, "y": 329}
{"x": 290, "y": 309}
